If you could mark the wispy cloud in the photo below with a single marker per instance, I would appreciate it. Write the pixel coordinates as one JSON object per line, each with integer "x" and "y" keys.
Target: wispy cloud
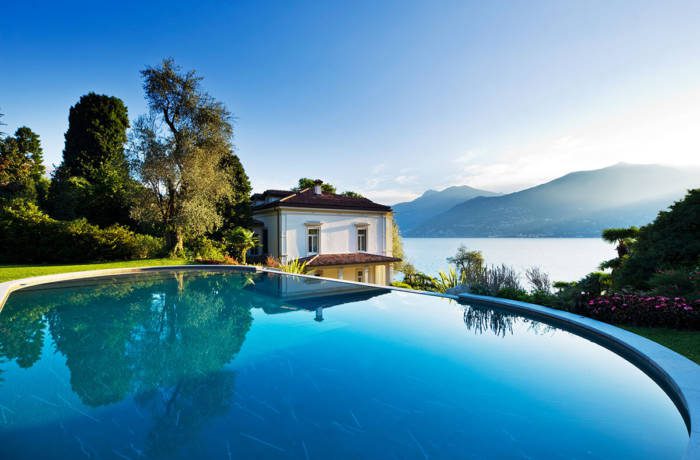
{"x": 664, "y": 132}
{"x": 403, "y": 180}
{"x": 391, "y": 196}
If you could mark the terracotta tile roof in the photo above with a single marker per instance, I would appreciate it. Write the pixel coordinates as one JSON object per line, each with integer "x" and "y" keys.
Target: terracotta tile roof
{"x": 272, "y": 192}
{"x": 354, "y": 258}
{"x": 308, "y": 199}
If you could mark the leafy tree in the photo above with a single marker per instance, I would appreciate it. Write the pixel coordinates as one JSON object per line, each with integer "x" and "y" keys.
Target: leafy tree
{"x": 351, "y": 194}
{"x": 470, "y": 264}
{"x": 238, "y": 241}
{"x": 672, "y": 241}
{"x": 177, "y": 150}
{"x": 305, "y": 182}
{"x": 29, "y": 145}
{"x": 71, "y": 197}
{"x": 623, "y": 237}
{"x": 21, "y": 166}
{"x": 235, "y": 209}
{"x": 94, "y": 157}
{"x": 397, "y": 246}
{"x": 96, "y": 136}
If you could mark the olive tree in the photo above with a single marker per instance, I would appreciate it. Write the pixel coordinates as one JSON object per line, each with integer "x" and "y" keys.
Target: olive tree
{"x": 176, "y": 151}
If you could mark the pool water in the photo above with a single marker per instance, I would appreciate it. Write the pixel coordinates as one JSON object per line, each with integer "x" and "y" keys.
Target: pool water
{"x": 205, "y": 365}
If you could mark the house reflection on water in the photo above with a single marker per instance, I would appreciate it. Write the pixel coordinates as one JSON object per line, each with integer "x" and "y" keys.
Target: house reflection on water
{"x": 283, "y": 294}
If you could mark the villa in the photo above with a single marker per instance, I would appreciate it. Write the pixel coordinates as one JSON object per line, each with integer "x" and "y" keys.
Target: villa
{"x": 335, "y": 235}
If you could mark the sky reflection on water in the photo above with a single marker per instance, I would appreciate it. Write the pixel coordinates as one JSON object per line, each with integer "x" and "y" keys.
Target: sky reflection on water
{"x": 211, "y": 365}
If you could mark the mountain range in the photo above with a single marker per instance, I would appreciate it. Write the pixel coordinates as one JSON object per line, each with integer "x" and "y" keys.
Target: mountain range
{"x": 431, "y": 203}
{"x": 579, "y": 204}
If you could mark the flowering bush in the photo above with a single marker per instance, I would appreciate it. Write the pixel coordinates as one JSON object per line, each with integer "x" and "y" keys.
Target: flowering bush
{"x": 641, "y": 310}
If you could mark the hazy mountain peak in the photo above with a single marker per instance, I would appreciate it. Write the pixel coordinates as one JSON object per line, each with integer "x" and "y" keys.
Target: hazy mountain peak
{"x": 581, "y": 203}
{"x": 432, "y": 203}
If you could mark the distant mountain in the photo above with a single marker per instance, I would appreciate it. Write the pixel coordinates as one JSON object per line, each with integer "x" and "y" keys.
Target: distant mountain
{"x": 432, "y": 203}
{"x": 580, "y": 204}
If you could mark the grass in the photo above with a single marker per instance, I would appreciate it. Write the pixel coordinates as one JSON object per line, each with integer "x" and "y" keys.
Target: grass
{"x": 13, "y": 272}
{"x": 687, "y": 343}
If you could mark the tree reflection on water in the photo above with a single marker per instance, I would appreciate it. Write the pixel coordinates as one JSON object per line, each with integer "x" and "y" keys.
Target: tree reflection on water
{"x": 482, "y": 319}
{"x": 163, "y": 341}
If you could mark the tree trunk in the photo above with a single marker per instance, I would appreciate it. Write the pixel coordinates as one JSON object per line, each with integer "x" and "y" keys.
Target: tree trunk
{"x": 175, "y": 242}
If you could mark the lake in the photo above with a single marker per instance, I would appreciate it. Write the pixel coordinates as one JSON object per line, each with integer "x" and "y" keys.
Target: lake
{"x": 564, "y": 259}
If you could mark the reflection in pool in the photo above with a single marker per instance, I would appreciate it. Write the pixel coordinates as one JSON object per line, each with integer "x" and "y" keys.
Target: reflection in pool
{"x": 255, "y": 365}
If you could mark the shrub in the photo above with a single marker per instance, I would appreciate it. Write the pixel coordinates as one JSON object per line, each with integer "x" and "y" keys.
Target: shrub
{"x": 672, "y": 241}
{"x": 27, "y": 235}
{"x": 538, "y": 280}
{"x": 514, "y": 294}
{"x": 238, "y": 241}
{"x": 227, "y": 260}
{"x": 400, "y": 284}
{"x": 676, "y": 283}
{"x": 447, "y": 280}
{"x": 495, "y": 279}
{"x": 639, "y": 310}
{"x": 204, "y": 249}
{"x": 272, "y": 262}
{"x": 420, "y": 281}
{"x": 294, "y": 266}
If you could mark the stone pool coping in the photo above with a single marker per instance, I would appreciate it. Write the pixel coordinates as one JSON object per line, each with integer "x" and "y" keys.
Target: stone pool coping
{"x": 679, "y": 376}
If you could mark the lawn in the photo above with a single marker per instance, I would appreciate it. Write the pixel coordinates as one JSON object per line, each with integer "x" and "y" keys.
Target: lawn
{"x": 686, "y": 343}
{"x": 12, "y": 272}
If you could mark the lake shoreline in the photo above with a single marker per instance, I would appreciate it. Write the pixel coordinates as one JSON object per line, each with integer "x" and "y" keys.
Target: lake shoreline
{"x": 564, "y": 259}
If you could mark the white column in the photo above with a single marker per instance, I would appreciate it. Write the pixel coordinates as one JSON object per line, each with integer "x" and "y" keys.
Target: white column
{"x": 340, "y": 273}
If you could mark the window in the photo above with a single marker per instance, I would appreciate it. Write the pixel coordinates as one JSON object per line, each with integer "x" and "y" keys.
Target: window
{"x": 360, "y": 276}
{"x": 362, "y": 239}
{"x": 312, "y": 240}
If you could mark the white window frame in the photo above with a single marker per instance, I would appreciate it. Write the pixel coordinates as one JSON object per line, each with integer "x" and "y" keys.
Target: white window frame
{"x": 360, "y": 276}
{"x": 309, "y": 229}
{"x": 361, "y": 231}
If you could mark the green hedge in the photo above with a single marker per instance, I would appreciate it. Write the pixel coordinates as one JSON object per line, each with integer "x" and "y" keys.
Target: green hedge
{"x": 27, "y": 235}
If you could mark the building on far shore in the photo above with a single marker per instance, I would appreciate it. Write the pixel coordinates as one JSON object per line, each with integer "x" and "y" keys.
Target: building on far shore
{"x": 337, "y": 236}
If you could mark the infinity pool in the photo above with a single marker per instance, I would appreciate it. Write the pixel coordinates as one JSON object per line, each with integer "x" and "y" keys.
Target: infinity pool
{"x": 198, "y": 364}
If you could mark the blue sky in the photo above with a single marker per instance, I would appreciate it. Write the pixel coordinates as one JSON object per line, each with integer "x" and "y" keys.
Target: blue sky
{"x": 385, "y": 98}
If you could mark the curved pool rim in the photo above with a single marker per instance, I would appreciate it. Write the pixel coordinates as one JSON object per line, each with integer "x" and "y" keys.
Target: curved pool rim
{"x": 677, "y": 375}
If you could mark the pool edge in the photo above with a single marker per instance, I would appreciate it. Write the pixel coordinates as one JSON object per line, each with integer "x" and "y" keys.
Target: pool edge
{"x": 681, "y": 375}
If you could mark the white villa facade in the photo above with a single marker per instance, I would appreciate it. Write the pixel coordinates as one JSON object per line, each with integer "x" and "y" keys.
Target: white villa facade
{"x": 337, "y": 236}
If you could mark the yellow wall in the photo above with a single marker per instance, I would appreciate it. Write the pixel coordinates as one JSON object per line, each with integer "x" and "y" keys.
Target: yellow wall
{"x": 376, "y": 273}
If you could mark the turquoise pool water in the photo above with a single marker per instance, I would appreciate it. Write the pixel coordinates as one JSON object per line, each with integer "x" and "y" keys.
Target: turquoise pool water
{"x": 193, "y": 365}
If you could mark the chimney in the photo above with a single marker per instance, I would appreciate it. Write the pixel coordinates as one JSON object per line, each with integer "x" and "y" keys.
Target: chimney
{"x": 317, "y": 187}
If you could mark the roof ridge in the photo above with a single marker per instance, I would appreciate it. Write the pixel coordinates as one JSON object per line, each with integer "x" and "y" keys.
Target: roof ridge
{"x": 293, "y": 194}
